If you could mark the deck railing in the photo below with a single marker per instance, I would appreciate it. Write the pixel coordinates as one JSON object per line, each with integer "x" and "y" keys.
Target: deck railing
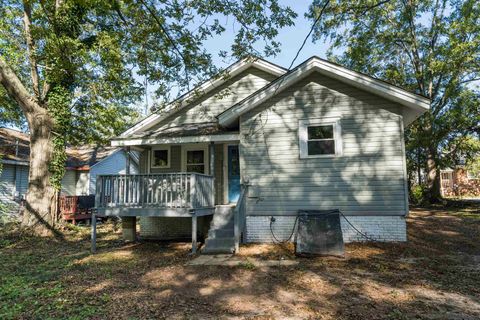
{"x": 169, "y": 190}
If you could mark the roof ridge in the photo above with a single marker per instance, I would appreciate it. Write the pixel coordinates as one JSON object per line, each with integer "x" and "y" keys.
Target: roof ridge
{"x": 332, "y": 70}
{"x": 179, "y": 100}
{"x": 304, "y": 62}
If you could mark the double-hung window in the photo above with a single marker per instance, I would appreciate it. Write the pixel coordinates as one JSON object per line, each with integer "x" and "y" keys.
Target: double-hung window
{"x": 320, "y": 138}
{"x": 161, "y": 157}
{"x": 195, "y": 159}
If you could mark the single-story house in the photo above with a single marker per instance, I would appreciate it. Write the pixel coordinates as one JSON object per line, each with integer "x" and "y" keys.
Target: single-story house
{"x": 83, "y": 165}
{"x": 14, "y": 154}
{"x": 235, "y": 159}
{"x": 459, "y": 182}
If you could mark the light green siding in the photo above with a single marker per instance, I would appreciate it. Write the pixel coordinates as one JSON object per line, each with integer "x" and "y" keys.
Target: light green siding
{"x": 207, "y": 107}
{"x": 369, "y": 178}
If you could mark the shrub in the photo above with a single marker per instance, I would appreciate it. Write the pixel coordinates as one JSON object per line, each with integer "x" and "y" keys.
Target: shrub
{"x": 418, "y": 194}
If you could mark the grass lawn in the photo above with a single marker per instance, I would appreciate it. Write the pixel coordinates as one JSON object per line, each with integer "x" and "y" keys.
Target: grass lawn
{"x": 436, "y": 275}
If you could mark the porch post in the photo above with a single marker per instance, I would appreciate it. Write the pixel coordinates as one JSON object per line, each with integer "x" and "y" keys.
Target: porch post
{"x": 94, "y": 232}
{"x": 212, "y": 158}
{"x": 194, "y": 233}
{"x": 127, "y": 153}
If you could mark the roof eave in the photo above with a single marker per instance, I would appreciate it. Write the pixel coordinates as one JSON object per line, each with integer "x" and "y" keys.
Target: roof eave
{"x": 204, "y": 88}
{"x": 225, "y": 137}
{"x": 417, "y": 104}
{"x": 15, "y": 162}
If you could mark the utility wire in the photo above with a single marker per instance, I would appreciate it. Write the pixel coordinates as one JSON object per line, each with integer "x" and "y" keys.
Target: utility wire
{"x": 322, "y": 11}
{"x": 170, "y": 39}
{"x": 309, "y": 33}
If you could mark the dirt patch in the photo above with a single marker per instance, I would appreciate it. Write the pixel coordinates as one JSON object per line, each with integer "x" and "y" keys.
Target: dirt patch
{"x": 433, "y": 276}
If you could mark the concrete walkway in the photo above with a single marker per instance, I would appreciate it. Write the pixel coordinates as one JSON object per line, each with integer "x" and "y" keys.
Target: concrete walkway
{"x": 233, "y": 261}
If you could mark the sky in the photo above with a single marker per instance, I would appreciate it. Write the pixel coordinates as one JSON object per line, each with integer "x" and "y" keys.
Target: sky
{"x": 291, "y": 39}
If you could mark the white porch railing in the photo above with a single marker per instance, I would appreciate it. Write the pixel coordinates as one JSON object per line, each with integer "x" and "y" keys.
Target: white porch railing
{"x": 169, "y": 190}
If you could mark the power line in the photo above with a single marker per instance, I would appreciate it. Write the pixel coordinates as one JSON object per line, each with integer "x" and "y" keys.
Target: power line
{"x": 324, "y": 7}
{"x": 170, "y": 39}
{"x": 309, "y": 33}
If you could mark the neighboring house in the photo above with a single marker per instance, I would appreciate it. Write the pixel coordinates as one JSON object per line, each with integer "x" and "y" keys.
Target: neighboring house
{"x": 14, "y": 153}
{"x": 263, "y": 143}
{"x": 82, "y": 167}
{"x": 459, "y": 182}
{"x": 86, "y": 162}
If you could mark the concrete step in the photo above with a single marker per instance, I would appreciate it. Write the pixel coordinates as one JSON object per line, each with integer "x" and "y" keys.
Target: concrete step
{"x": 223, "y": 217}
{"x": 220, "y": 233}
{"x": 225, "y": 225}
{"x": 219, "y": 245}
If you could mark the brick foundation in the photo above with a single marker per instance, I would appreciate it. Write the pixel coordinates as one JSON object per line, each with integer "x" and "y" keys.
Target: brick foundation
{"x": 163, "y": 228}
{"x": 380, "y": 228}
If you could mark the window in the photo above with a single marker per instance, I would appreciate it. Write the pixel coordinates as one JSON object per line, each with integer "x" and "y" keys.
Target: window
{"x": 471, "y": 175}
{"x": 320, "y": 138}
{"x": 161, "y": 157}
{"x": 196, "y": 161}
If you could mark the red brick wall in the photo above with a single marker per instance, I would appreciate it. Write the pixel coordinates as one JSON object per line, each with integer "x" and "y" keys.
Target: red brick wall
{"x": 462, "y": 186}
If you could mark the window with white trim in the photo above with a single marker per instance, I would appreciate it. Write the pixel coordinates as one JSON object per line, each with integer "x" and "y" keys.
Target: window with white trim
{"x": 195, "y": 161}
{"x": 471, "y": 175}
{"x": 320, "y": 138}
{"x": 161, "y": 157}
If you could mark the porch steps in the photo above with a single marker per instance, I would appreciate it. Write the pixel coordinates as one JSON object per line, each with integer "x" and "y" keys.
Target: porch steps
{"x": 220, "y": 235}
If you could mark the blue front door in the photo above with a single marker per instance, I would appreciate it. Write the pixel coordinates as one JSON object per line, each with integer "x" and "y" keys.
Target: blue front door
{"x": 233, "y": 174}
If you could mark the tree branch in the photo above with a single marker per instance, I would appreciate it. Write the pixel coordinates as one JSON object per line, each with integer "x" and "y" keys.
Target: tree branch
{"x": 15, "y": 88}
{"x": 469, "y": 80}
{"x": 27, "y": 21}
{"x": 366, "y": 8}
{"x": 169, "y": 38}
{"x": 417, "y": 61}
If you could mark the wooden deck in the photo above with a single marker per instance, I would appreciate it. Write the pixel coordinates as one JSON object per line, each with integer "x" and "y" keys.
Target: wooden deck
{"x": 162, "y": 195}
{"x": 155, "y": 195}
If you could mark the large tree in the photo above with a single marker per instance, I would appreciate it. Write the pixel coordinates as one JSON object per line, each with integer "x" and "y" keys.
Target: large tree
{"x": 431, "y": 47}
{"x": 69, "y": 69}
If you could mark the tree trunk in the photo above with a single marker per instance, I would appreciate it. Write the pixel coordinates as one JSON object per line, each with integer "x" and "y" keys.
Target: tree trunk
{"x": 433, "y": 178}
{"x": 419, "y": 168}
{"x": 39, "y": 214}
{"x": 40, "y": 205}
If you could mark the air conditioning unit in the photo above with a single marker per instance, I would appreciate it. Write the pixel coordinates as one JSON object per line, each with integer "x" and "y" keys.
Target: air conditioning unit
{"x": 319, "y": 233}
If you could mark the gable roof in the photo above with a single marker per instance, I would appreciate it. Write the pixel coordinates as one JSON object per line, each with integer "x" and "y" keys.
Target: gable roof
{"x": 15, "y": 149}
{"x": 415, "y": 104}
{"x": 204, "y": 88}
{"x": 86, "y": 156}
{"x": 14, "y": 146}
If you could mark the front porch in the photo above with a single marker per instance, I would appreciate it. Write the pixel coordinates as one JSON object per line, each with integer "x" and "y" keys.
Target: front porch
{"x": 187, "y": 172}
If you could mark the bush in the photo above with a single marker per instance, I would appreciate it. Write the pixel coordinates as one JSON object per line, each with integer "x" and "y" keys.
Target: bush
{"x": 418, "y": 194}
